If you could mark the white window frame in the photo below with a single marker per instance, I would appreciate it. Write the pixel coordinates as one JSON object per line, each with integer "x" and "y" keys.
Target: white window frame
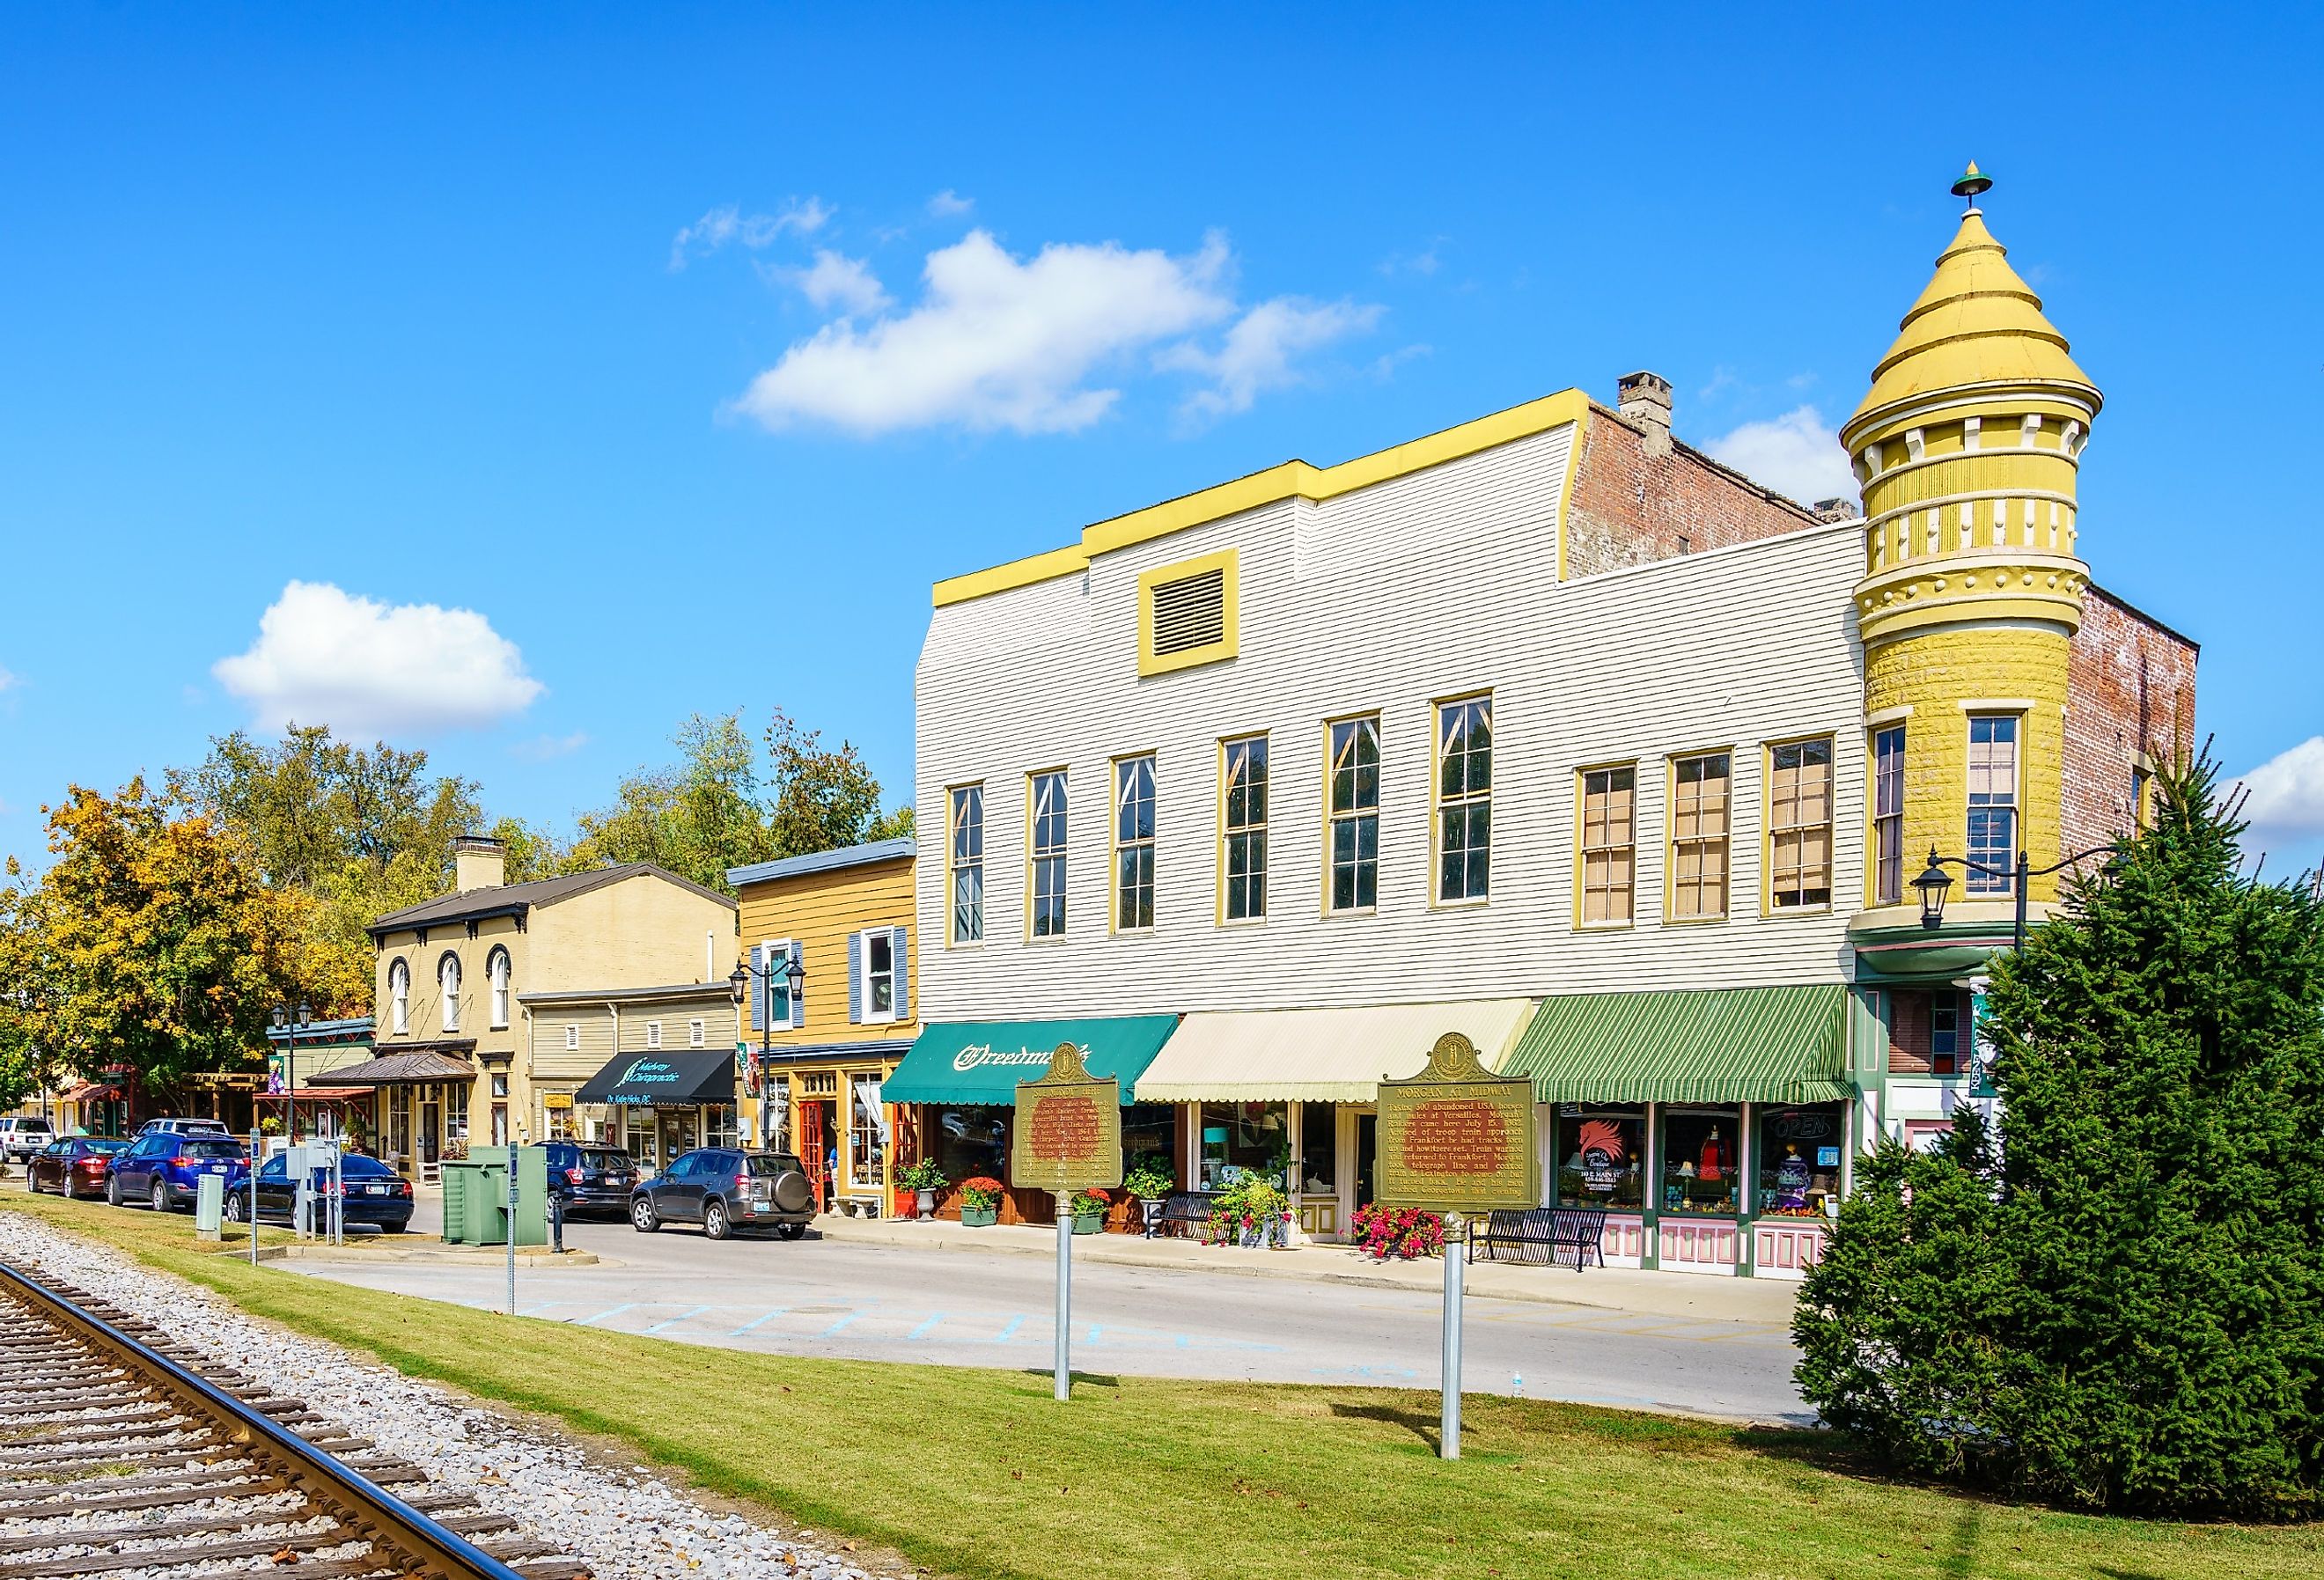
{"x": 872, "y": 1015}
{"x": 447, "y": 984}
{"x": 695, "y": 1034}
{"x": 2008, "y": 805}
{"x": 497, "y": 970}
{"x": 572, "y": 1037}
{"x": 795, "y": 1010}
{"x": 653, "y": 1036}
{"x": 399, "y": 996}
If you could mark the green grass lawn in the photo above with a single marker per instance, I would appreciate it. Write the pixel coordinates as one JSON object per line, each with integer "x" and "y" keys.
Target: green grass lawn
{"x": 983, "y": 1474}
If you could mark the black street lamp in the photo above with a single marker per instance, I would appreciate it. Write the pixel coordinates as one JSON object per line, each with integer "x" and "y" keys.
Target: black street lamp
{"x": 739, "y": 981}
{"x": 292, "y": 1022}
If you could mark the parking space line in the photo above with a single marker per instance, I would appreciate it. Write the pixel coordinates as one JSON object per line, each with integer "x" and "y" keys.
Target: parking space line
{"x": 922, "y": 1331}
{"x": 611, "y": 1311}
{"x": 755, "y": 1321}
{"x": 681, "y": 1317}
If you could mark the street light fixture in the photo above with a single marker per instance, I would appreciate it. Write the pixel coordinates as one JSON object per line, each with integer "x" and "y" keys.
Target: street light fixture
{"x": 739, "y": 981}
{"x": 292, "y": 1022}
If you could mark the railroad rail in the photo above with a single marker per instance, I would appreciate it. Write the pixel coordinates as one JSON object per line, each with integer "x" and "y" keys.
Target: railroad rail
{"x": 121, "y": 1451}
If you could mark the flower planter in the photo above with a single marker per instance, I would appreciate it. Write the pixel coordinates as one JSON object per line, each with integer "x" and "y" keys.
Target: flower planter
{"x": 979, "y": 1217}
{"x": 1089, "y": 1222}
{"x": 926, "y": 1201}
{"x": 1150, "y": 1214}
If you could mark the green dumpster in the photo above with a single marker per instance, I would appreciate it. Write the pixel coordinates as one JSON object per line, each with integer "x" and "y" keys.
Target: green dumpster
{"x": 456, "y": 1204}
{"x": 490, "y": 1183}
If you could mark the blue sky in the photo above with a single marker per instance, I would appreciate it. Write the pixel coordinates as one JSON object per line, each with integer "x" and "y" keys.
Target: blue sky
{"x": 583, "y": 326}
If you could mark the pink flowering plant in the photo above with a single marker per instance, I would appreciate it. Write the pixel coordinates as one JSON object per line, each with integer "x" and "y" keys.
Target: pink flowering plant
{"x": 1399, "y": 1234}
{"x": 1247, "y": 1207}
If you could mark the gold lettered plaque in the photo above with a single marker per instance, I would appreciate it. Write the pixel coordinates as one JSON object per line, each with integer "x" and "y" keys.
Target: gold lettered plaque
{"x": 1456, "y": 1138}
{"x": 1068, "y": 1136}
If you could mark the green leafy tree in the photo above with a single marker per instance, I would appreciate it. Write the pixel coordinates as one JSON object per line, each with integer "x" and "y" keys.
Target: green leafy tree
{"x": 824, "y": 799}
{"x": 2117, "y": 1301}
{"x": 28, "y": 990}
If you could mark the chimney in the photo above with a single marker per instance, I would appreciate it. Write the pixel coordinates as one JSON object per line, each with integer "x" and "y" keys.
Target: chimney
{"x": 1646, "y": 400}
{"x": 1835, "y": 510}
{"x": 477, "y": 863}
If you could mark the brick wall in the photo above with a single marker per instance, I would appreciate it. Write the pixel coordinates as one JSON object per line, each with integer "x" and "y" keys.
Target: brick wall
{"x": 2130, "y": 689}
{"x": 1631, "y": 507}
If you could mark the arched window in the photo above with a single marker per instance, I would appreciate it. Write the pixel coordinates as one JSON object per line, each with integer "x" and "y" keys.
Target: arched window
{"x": 398, "y": 996}
{"x": 497, "y": 969}
{"x": 448, "y": 977}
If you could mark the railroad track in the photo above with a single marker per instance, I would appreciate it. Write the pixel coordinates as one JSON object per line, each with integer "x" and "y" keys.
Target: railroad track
{"x": 125, "y": 1454}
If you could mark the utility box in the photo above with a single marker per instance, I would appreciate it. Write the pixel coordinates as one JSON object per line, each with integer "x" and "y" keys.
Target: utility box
{"x": 475, "y": 1196}
{"x": 210, "y": 1205}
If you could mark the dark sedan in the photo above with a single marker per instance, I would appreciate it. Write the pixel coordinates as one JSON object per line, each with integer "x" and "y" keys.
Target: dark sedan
{"x": 723, "y": 1190}
{"x": 377, "y": 1196}
{"x": 75, "y": 1165}
{"x": 590, "y": 1179}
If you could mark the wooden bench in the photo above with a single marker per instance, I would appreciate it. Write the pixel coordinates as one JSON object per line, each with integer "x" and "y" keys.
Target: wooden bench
{"x": 1538, "y": 1233}
{"x": 1188, "y": 1209}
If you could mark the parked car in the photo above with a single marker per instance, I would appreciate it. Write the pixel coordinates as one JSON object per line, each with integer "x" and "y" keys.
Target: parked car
{"x": 20, "y": 1138}
{"x": 377, "y": 1196}
{"x": 75, "y": 1165}
{"x": 160, "y": 1168}
{"x": 184, "y": 1127}
{"x": 590, "y": 1178}
{"x": 723, "y": 1190}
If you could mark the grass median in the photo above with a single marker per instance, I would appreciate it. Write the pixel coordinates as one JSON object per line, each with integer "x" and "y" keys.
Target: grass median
{"x": 983, "y": 1476}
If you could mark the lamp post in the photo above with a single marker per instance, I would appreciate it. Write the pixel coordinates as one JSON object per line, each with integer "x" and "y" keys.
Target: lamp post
{"x": 291, "y": 1023}
{"x": 794, "y": 976}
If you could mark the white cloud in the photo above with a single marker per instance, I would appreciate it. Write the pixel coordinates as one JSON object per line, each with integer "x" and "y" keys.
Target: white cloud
{"x": 9, "y": 681}
{"x": 1021, "y": 344}
{"x": 1259, "y": 350}
{"x": 947, "y": 204}
{"x": 543, "y": 748}
{"x": 1795, "y": 455}
{"x": 2285, "y": 794}
{"x": 834, "y": 278}
{"x": 367, "y": 669}
{"x": 727, "y": 222}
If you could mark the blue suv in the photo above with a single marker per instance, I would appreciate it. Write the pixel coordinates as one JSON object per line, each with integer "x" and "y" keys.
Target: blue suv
{"x": 161, "y": 1168}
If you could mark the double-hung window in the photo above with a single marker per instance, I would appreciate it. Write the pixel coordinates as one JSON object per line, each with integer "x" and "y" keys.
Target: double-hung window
{"x": 967, "y": 856}
{"x": 1608, "y": 844}
{"x": 653, "y": 1034}
{"x": 1465, "y": 798}
{"x": 1700, "y": 818}
{"x": 880, "y": 974}
{"x": 1046, "y": 886}
{"x": 1992, "y": 801}
{"x": 1944, "y": 1033}
{"x": 1242, "y": 831}
{"x": 1799, "y": 824}
{"x": 448, "y": 981}
{"x": 1133, "y": 844}
{"x": 1353, "y": 766}
{"x": 1888, "y": 817}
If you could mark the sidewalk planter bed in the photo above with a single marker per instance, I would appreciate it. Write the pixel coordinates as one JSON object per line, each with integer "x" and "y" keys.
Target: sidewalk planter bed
{"x": 1399, "y": 1234}
{"x": 980, "y": 1202}
{"x": 918, "y": 1186}
{"x": 979, "y": 1217}
{"x": 1252, "y": 1214}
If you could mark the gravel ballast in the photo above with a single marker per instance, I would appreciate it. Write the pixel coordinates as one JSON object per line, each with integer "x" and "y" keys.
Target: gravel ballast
{"x": 625, "y": 1525}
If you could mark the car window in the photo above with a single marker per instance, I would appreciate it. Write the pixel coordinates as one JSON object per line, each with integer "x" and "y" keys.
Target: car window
{"x": 210, "y": 1147}
{"x": 57, "y": 1148}
{"x": 106, "y": 1146}
{"x": 615, "y": 1161}
{"x": 275, "y": 1169}
{"x": 768, "y": 1166}
{"x": 355, "y": 1165}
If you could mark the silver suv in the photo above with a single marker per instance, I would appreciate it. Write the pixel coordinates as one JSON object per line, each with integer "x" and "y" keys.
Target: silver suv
{"x": 20, "y": 1138}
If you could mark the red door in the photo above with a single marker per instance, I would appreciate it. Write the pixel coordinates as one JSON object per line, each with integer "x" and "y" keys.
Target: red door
{"x": 812, "y": 1149}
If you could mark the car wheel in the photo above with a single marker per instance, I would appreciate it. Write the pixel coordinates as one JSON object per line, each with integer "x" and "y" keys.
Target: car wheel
{"x": 160, "y": 1196}
{"x": 791, "y": 1231}
{"x": 643, "y": 1216}
{"x": 235, "y": 1210}
{"x": 113, "y": 1192}
{"x": 713, "y": 1221}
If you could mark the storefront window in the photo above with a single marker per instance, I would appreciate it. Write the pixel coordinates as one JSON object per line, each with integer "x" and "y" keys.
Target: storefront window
{"x": 455, "y": 1112}
{"x": 1150, "y": 1131}
{"x": 1319, "y": 1148}
{"x": 779, "y": 1112}
{"x": 720, "y": 1117}
{"x": 1243, "y": 1137}
{"x": 1701, "y": 1149}
{"x": 1798, "y": 1158}
{"x": 399, "y": 1122}
{"x": 867, "y": 1133}
{"x": 970, "y": 1142}
{"x": 1604, "y": 1157}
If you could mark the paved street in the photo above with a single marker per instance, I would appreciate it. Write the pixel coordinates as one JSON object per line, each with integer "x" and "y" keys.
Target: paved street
{"x": 893, "y": 1303}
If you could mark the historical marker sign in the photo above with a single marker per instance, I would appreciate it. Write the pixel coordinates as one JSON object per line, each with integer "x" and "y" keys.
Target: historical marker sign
{"x": 1068, "y": 1136}
{"x": 1456, "y": 1138}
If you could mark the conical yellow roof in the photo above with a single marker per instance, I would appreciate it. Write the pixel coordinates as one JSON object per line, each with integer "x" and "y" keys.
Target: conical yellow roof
{"x": 1978, "y": 323}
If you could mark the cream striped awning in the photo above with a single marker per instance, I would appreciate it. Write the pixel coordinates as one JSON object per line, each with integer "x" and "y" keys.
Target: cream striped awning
{"x": 1318, "y": 1055}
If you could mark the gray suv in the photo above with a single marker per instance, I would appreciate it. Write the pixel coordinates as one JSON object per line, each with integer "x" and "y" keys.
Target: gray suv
{"x": 726, "y": 1188}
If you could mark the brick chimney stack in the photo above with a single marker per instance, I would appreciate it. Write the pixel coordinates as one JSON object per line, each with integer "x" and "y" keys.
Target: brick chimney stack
{"x": 1646, "y": 400}
{"x": 477, "y": 863}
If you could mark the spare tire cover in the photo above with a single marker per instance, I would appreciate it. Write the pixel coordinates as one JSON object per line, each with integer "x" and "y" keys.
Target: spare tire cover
{"x": 792, "y": 1194}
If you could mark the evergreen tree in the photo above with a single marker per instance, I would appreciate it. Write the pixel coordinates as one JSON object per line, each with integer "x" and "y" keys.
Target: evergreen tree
{"x": 2119, "y": 1303}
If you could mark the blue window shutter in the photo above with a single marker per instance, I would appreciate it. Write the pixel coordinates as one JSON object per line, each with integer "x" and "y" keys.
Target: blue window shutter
{"x": 757, "y": 988}
{"x": 798, "y": 1005}
{"x": 899, "y": 956}
{"x": 856, "y": 979}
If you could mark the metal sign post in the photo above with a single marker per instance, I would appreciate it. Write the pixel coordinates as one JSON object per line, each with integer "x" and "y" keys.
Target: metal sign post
{"x": 512, "y": 1231}
{"x": 1067, "y": 1138}
{"x": 254, "y": 1160}
{"x": 1459, "y": 1140}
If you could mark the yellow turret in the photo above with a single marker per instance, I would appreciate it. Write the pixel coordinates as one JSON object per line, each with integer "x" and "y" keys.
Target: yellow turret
{"x": 1967, "y": 448}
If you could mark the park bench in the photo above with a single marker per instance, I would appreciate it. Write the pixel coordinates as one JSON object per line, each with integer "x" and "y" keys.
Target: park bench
{"x": 1538, "y": 1233}
{"x": 1188, "y": 1209}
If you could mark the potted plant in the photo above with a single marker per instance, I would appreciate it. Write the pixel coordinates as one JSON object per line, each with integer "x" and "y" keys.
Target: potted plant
{"x": 980, "y": 1201}
{"x": 1089, "y": 1210}
{"x": 1252, "y": 1213}
{"x": 923, "y": 1180}
{"x": 1151, "y": 1182}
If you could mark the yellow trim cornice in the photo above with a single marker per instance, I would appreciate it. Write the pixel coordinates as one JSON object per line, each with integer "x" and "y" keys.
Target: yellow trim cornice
{"x": 1291, "y": 480}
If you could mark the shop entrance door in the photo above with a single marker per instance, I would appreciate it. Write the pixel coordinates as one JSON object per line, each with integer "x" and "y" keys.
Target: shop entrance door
{"x": 816, "y": 1140}
{"x": 1367, "y": 1155}
{"x": 678, "y": 1132}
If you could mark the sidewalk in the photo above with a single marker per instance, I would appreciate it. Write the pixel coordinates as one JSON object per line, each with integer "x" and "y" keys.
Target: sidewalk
{"x": 1615, "y": 1288}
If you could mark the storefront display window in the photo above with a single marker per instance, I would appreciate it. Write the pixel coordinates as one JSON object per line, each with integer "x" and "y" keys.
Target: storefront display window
{"x": 970, "y": 1142}
{"x": 1702, "y": 1148}
{"x": 779, "y": 1112}
{"x": 1603, "y": 1157}
{"x": 1798, "y": 1158}
{"x": 1243, "y": 1137}
{"x": 867, "y": 1133}
{"x": 1319, "y": 1148}
{"x": 456, "y": 1113}
{"x": 399, "y": 1122}
{"x": 1150, "y": 1131}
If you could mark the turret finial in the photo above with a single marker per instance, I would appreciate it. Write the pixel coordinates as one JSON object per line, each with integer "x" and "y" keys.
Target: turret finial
{"x": 1974, "y": 183}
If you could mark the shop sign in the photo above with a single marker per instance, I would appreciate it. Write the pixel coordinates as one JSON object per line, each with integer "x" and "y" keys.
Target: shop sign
{"x": 557, "y": 1099}
{"x": 1456, "y": 1138}
{"x": 1980, "y": 1057}
{"x": 1067, "y": 1133}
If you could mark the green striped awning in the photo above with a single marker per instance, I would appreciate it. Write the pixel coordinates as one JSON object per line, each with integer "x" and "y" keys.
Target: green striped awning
{"x": 1725, "y": 1045}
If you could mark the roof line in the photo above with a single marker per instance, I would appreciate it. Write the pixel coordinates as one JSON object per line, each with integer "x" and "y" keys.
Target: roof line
{"x": 2136, "y": 613}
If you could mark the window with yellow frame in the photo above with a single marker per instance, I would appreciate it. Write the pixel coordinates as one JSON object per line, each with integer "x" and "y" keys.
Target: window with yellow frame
{"x": 1242, "y": 829}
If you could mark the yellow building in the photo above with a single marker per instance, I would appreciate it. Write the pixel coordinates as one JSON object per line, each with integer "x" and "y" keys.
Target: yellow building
{"x": 815, "y": 1061}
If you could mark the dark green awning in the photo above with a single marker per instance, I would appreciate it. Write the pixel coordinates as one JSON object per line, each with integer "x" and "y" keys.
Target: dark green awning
{"x": 981, "y": 1061}
{"x": 1727, "y": 1045}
